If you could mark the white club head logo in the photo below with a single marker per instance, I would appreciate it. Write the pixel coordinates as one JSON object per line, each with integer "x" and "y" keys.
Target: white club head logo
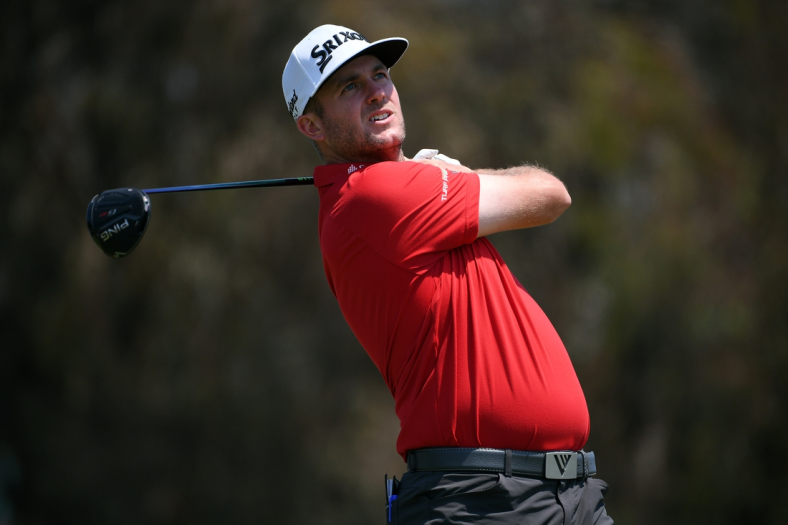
{"x": 107, "y": 234}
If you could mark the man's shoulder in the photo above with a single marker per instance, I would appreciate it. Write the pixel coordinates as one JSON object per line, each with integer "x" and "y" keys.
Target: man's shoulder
{"x": 390, "y": 174}
{"x": 328, "y": 174}
{"x": 398, "y": 166}
{"x": 377, "y": 188}
{"x": 389, "y": 180}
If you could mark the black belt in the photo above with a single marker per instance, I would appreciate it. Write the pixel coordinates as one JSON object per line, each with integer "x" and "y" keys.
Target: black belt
{"x": 550, "y": 465}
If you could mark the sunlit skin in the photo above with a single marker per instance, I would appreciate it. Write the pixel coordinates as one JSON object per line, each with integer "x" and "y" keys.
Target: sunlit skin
{"x": 361, "y": 120}
{"x": 348, "y": 131}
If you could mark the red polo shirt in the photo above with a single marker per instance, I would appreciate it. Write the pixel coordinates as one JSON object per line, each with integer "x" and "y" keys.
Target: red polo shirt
{"x": 470, "y": 358}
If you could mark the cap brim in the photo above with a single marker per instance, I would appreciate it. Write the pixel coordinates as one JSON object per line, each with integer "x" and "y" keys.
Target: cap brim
{"x": 388, "y": 50}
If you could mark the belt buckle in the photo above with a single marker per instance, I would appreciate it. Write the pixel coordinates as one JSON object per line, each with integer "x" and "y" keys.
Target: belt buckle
{"x": 560, "y": 465}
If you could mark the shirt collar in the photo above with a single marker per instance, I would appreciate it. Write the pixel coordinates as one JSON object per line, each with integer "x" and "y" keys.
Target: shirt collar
{"x": 330, "y": 173}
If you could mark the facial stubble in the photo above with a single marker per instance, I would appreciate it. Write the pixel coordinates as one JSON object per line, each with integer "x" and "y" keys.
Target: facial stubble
{"x": 356, "y": 145}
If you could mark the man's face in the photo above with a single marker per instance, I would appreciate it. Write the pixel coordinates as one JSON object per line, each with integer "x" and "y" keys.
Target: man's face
{"x": 361, "y": 120}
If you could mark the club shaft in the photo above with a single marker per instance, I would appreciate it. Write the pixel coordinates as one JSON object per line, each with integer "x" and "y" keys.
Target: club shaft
{"x": 299, "y": 181}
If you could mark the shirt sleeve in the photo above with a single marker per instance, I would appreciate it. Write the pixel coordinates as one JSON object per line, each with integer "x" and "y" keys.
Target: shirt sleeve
{"x": 409, "y": 212}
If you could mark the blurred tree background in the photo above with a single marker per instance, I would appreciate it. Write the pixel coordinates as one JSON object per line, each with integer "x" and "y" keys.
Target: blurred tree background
{"x": 209, "y": 377}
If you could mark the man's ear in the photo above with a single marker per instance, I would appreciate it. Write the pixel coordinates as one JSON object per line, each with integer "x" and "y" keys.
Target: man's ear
{"x": 311, "y": 126}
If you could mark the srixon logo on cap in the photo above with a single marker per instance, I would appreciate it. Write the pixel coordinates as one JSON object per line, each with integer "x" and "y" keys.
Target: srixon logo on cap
{"x": 324, "y": 55}
{"x": 291, "y": 106}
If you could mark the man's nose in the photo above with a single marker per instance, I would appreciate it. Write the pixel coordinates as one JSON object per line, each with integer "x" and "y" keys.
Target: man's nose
{"x": 375, "y": 92}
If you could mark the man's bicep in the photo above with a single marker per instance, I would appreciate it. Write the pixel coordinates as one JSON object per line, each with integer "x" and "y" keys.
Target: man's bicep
{"x": 511, "y": 202}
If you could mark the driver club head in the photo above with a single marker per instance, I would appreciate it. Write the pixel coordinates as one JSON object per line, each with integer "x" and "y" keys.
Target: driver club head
{"x": 117, "y": 220}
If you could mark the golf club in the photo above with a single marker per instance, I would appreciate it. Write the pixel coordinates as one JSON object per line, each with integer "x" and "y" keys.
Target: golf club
{"x": 117, "y": 219}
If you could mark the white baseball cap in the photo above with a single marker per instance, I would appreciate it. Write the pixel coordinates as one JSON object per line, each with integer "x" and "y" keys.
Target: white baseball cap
{"x": 323, "y": 51}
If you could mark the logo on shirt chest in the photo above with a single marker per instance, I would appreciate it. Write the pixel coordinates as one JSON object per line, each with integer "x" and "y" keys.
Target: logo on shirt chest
{"x": 445, "y": 185}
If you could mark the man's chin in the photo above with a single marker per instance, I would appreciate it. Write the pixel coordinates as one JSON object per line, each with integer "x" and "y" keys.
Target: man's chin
{"x": 391, "y": 152}
{"x": 385, "y": 145}
{"x": 387, "y": 139}
{"x": 382, "y": 146}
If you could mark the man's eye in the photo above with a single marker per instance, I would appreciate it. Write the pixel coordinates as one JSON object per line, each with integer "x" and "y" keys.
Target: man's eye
{"x": 350, "y": 87}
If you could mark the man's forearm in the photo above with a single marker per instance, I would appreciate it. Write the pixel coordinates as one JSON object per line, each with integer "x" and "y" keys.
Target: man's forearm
{"x": 515, "y": 170}
{"x": 516, "y": 197}
{"x": 519, "y": 197}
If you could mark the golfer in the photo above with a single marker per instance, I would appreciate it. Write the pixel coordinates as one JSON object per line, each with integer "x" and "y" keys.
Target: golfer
{"x": 493, "y": 419}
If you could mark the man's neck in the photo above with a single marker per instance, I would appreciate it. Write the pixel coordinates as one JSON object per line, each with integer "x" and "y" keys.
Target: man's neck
{"x": 393, "y": 155}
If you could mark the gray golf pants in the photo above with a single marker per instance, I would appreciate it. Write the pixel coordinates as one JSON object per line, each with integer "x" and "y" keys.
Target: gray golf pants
{"x": 447, "y": 498}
